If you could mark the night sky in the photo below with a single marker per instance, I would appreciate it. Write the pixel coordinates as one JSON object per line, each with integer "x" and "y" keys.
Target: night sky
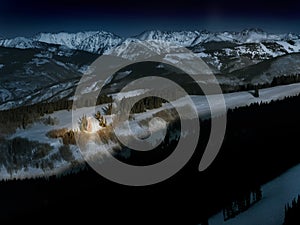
{"x": 127, "y": 18}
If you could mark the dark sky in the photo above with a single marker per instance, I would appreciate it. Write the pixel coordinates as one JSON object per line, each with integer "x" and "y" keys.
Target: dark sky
{"x": 127, "y": 18}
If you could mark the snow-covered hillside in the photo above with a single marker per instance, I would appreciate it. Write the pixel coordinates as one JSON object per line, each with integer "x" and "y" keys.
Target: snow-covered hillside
{"x": 38, "y": 131}
{"x": 270, "y": 210}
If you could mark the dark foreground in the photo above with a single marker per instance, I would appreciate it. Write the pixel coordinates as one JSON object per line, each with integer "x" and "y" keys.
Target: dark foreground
{"x": 261, "y": 143}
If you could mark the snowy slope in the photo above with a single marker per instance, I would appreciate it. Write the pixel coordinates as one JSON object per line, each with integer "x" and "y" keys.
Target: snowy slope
{"x": 270, "y": 210}
{"x": 37, "y": 132}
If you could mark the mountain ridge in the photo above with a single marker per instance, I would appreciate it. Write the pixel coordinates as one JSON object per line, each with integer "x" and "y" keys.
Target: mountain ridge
{"x": 49, "y": 59}
{"x": 100, "y": 41}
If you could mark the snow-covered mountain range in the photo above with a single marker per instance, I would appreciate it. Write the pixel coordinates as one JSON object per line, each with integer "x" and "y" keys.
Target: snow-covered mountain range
{"x": 100, "y": 41}
{"x": 48, "y": 65}
{"x": 223, "y": 51}
{"x": 91, "y": 41}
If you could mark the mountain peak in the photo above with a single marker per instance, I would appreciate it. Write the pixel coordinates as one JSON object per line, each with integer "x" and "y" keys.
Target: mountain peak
{"x": 90, "y": 41}
{"x": 181, "y": 38}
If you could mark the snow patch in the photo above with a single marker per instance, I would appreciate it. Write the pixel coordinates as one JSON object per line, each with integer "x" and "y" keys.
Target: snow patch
{"x": 121, "y": 95}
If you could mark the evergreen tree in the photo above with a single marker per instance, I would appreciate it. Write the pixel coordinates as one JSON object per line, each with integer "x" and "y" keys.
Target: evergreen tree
{"x": 256, "y": 91}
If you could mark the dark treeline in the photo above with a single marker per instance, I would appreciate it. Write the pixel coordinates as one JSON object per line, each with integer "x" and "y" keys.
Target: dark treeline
{"x": 24, "y": 115}
{"x": 292, "y": 212}
{"x": 280, "y": 80}
{"x": 142, "y": 105}
{"x": 242, "y": 203}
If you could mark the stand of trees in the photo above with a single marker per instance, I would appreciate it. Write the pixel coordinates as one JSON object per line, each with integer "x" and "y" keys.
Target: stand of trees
{"x": 25, "y": 115}
{"x": 292, "y": 212}
{"x": 101, "y": 119}
{"x": 242, "y": 203}
{"x": 130, "y": 104}
{"x": 280, "y": 80}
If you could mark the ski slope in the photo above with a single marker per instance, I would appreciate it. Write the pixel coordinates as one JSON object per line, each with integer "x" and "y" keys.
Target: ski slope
{"x": 270, "y": 210}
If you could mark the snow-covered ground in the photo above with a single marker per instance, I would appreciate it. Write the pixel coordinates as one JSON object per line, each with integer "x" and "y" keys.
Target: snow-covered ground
{"x": 270, "y": 210}
{"x": 38, "y": 130}
{"x": 234, "y": 100}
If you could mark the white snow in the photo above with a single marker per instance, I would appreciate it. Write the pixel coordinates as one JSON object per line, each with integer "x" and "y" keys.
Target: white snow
{"x": 89, "y": 89}
{"x": 265, "y": 95}
{"x": 181, "y": 38}
{"x": 121, "y": 95}
{"x": 18, "y": 42}
{"x": 121, "y": 75}
{"x": 268, "y": 51}
{"x": 232, "y": 100}
{"x": 39, "y": 61}
{"x": 61, "y": 64}
{"x": 44, "y": 55}
{"x": 86, "y": 69}
{"x": 5, "y": 95}
{"x": 290, "y": 48}
{"x": 202, "y": 55}
{"x": 160, "y": 66}
{"x": 90, "y": 41}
